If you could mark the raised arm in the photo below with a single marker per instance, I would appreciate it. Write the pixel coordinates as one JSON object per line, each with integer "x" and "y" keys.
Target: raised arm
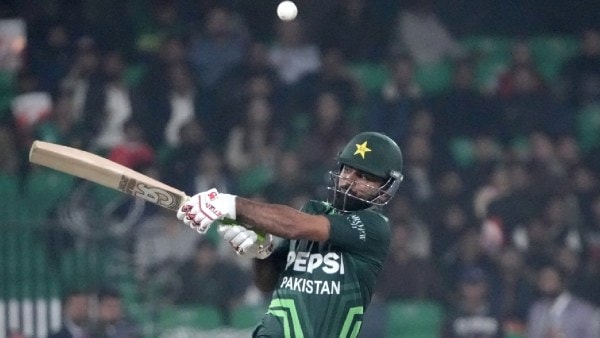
{"x": 281, "y": 220}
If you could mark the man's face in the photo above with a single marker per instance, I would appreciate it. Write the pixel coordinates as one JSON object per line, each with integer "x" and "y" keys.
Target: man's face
{"x": 110, "y": 310}
{"x": 356, "y": 187}
{"x": 549, "y": 283}
{"x": 77, "y": 308}
{"x": 362, "y": 185}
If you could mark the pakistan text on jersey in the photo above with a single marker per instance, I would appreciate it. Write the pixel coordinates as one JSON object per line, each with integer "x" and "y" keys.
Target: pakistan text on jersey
{"x": 319, "y": 287}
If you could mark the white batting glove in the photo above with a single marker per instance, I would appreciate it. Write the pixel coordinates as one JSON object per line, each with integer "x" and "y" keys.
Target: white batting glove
{"x": 247, "y": 242}
{"x": 202, "y": 209}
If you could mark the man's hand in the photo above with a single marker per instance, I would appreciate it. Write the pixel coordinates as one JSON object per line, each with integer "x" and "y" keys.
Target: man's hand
{"x": 247, "y": 242}
{"x": 202, "y": 209}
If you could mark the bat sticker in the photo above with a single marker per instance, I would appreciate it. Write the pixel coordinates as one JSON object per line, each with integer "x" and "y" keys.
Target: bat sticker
{"x": 154, "y": 195}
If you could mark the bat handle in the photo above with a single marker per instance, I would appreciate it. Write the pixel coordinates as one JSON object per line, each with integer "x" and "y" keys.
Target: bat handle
{"x": 260, "y": 234}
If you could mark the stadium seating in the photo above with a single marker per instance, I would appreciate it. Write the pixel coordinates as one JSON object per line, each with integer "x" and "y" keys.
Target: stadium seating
{"x": 550, "y": 53}
{"x": 491, "y": 55}
{"x": 46, "y": 189}
{"x": 588, "y": 127}
{"x": 247, "y": 316}
{"x": 199, "y": 317}
{"x": 372, "y": 76}
{"x": 11, "y": 201}
{"x": 435, "y": 77}
{"x": 414, "y": 319}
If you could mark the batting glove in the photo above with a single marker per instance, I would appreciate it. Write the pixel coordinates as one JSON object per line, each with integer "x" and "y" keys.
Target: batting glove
{"x": 202, "y": 209}
{"x": 247, "y": 242}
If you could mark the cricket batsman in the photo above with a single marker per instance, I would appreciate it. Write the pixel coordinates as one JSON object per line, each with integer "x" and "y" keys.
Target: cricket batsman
{"x": 322, "y": 273}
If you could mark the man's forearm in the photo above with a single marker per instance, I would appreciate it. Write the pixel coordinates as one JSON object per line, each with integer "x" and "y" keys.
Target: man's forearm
{"x": 281, "y": 220}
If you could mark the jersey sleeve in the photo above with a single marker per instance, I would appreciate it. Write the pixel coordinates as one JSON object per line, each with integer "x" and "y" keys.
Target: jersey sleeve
{"x": 365, "y": 233}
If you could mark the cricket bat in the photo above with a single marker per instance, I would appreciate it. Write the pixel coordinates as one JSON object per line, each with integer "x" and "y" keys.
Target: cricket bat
{"x": 110, "y": 174}
{"x": 105, "y": 172}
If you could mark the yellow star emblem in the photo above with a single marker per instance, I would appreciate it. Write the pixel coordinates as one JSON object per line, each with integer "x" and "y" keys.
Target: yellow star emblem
{"x": 362, "y": 149}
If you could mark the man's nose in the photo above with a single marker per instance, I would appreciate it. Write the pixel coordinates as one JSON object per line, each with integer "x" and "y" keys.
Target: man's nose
{"x": 347, "y": 180}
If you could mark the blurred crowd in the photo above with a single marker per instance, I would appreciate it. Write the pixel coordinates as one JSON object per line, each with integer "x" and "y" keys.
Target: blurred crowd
{"x": 500, "y": 206}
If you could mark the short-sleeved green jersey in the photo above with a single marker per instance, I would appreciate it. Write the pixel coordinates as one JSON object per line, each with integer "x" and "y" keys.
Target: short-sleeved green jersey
{"x": 325, "y": 287}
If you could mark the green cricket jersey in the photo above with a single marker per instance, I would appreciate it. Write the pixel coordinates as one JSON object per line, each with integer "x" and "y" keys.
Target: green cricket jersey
{"x": 326, "y": 287}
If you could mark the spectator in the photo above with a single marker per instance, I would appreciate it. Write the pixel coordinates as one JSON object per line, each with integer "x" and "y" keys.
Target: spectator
{"x": 81, "y": 80}
{"x": 255, "y": 63}
{"x": 30, "y": 106}
{"x": 50, "y": 60}
{"x": 407, "y": 275}
{"x": 112, "y": 321}
{"x": 134, "y": 152}
{"x": 170, "y": 102}
{"x": 420, "y": 33}
{"x": 161, "y": 246}
{"x": 539, "y": 244}
{"x": 332, "y": 76}
{"x": 560, "y": 220}
{"x": 485, "y": 155}
{"x": 293, "y": 53}
{"x": 254, "y": 77}
{"x": 327, "y": 129}
{"x": 588, "y": 285}
{"x": 465, "y": 254}
{"x": 419, "y": 168}
{"x": 288, "y": 181}
{"x": 543, "y": 163}
{"x": 558, "y": 313}
{"x": 60, "y": 127}
{"x": 581, "y": 73}
{"x": 108, "y": 104}
{"x": 252, "y": 146}
{"x": 592, "y": 226}
{"x": 462, "y": 110}
{"x": 76, "y": 319}
{"x": 514, "y": 203}
{"x": 210, "y": 172}
{"x": 357, "y": 28}
{"x": 223, "y": 282}
{"x": 218, "y": 47}
{"x": 471, "y": 314}
{"x": 155, "y": 32}
{"x": 177, "y": 162}
{"x": 531, "y": 107}
{"x": 390, "y": 109}
{"x": 402, "y": 211}
{"x": 515, "y": 291}
{"x": 520, "y": 56}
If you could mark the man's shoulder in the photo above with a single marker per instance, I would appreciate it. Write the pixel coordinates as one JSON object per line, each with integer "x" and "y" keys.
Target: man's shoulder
{"x": 584, "y": 306}
{"x": 317, "y": 207}
{"x": 372, "y": 215}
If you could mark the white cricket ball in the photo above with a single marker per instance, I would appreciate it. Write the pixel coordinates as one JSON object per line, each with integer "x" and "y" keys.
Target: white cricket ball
{"x": 287, "y": 10}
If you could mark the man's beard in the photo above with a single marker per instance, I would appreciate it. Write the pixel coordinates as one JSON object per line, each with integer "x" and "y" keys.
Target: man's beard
{"x": 346, "y": 202}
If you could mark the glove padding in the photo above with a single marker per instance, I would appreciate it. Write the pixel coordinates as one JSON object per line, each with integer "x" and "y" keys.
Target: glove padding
{"x": 247, "y": 242}
{"x": 202, "y": 209}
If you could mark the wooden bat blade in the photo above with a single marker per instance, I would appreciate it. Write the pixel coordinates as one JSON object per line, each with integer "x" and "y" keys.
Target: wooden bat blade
{"x": 105, "y": 172}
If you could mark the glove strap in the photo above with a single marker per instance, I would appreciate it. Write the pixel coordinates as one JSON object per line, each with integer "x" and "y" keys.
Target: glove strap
{"x": 229, "y": 204}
